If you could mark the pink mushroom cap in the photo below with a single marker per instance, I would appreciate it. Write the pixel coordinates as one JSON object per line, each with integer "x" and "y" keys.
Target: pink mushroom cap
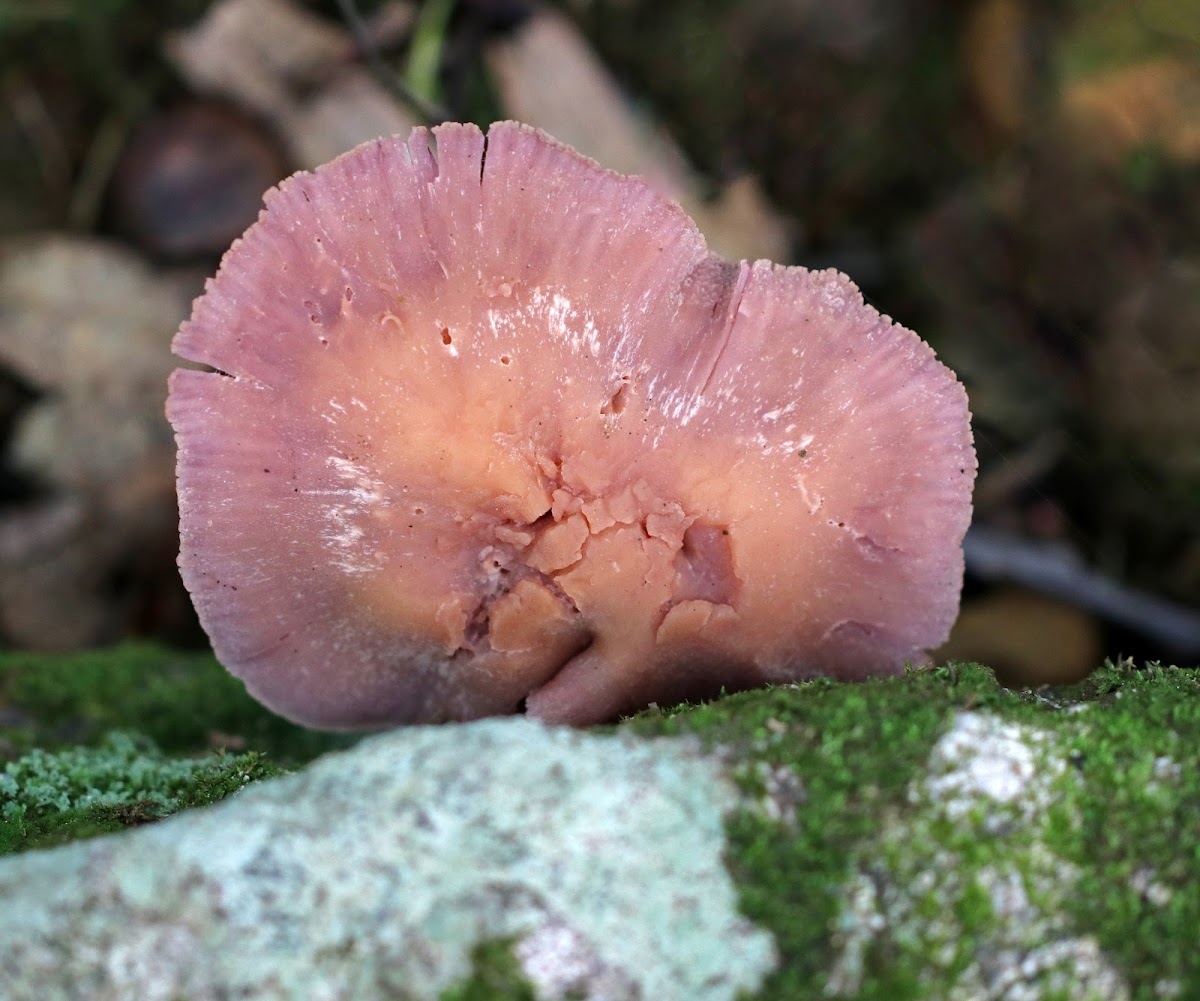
{"x": 491, "y": 429}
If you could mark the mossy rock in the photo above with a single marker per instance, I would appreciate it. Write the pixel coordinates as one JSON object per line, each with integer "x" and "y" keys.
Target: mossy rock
{"x": 930, "y": 836}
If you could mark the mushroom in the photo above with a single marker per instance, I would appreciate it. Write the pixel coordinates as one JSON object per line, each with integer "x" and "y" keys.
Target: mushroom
{"x": 491, "y": 430}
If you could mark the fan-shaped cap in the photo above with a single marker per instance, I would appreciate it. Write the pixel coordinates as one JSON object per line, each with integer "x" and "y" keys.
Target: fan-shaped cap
{"x": 491, "y": 428}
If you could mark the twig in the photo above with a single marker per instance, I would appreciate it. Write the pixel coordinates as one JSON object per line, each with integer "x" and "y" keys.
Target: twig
{"x": 1057, "y": 570}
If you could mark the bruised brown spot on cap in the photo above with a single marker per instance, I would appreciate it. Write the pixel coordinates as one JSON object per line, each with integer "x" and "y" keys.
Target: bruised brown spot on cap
{"x": 532, "y": 445}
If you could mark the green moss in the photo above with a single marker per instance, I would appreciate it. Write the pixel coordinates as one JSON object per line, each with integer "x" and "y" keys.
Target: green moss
{"x": 1117, "y": 817}
{"x": 495, "y": 976}
{"x": 1132, "y": 825}
{"x": 115, "y": 735}
{"x": 842, "y": 821}
{"x": 184, "y": 702}
{"x": 856, "y": 748}
{"x": 48, "y": 798}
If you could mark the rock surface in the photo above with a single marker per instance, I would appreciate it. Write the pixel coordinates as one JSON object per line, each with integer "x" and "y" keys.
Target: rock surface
{"x": 927, "y": 837}
{"x": 376, "y": 872}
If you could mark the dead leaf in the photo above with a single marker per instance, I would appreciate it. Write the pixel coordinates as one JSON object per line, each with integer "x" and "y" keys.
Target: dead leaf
{"x": 547, "y": 74}
{"x": 351, "y": 109}
{"x": 296, "y": 71}
{"x": 1026, "y": 638}
{"x": 1153, "y": 103}
{"x": 90, "y": 324}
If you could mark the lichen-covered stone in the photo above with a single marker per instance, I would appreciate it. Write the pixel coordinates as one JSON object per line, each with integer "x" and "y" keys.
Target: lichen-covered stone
{"x": 377, "y": 872}
{"x": 987, "y": 923}
{"x": 927, "y": 837}
{"x": 939, "y": 837}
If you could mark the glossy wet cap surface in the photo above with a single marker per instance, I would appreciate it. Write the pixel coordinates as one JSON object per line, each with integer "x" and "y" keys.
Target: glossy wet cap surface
{"x": 492, "y": 430}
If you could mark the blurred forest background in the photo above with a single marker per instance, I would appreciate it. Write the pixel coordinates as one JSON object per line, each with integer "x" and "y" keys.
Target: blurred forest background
{"x": 1017, "y": 180}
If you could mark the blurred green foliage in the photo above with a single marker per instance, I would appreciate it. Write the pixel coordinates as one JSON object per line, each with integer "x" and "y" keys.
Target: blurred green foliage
{"x": 107, "y": 739}
{"x": 184, "y": 702}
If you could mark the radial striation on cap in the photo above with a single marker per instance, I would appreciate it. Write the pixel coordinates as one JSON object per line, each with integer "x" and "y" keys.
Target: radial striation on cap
{"x": 491, "y": 430}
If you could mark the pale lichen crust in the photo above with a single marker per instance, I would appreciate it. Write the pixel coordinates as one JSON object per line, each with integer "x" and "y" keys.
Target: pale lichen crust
{"x": 940, "y": 837}
{"x": 376, "y": 873}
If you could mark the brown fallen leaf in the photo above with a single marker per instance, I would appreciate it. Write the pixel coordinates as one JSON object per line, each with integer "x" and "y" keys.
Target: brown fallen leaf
{"x": 89, "y": 324}
{"x": 89, "y": 560}
{"x": 1149, "y": 104}
{"x": 351, "y": 109}
{"x": 998, "y": 44}
{"x": 546, "y": 74}
{"x": 1026, "y": 638}
{"x": 296, "y": 71}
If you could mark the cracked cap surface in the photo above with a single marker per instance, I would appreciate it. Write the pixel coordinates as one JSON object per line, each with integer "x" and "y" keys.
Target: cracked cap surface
{"x": 491, "y": 428}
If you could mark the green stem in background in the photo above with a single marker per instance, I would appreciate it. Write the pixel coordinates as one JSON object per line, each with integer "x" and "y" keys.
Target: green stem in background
{"x": 425, "y": 50}
{"x": 99, "y": 163}
{"x": 428, "y": 108}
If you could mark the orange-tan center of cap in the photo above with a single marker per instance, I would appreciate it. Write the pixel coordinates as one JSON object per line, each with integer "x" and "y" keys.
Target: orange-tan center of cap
{"x": 519, "y": 516}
